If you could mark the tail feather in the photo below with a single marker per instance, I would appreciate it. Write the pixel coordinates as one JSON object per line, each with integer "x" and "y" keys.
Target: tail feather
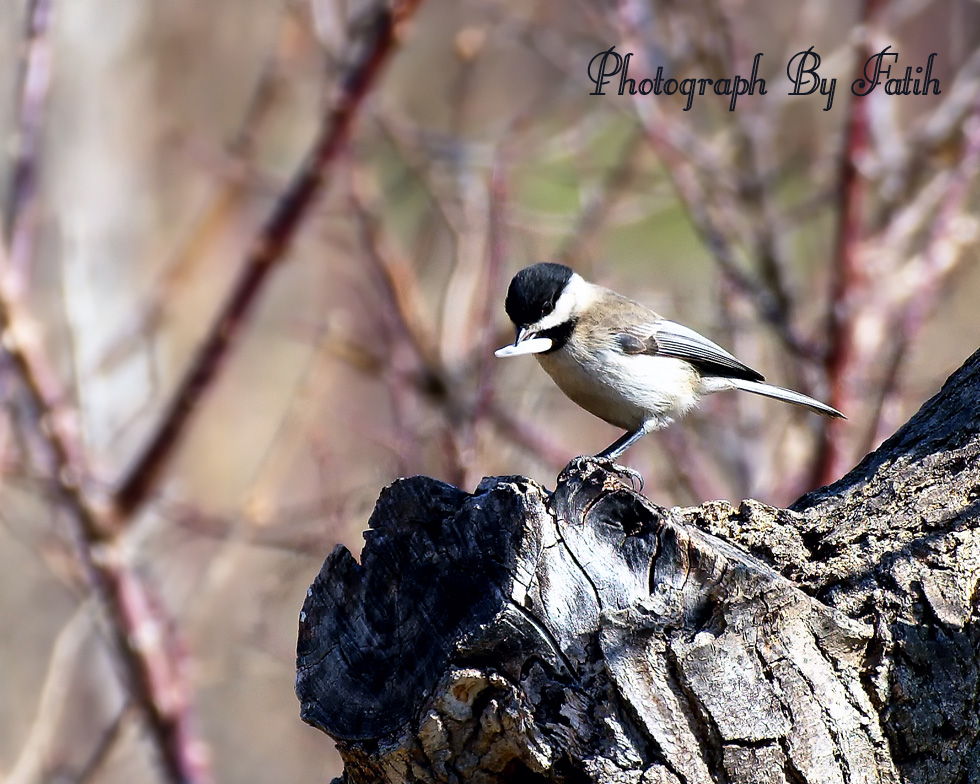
{"x": 787, "y": 395}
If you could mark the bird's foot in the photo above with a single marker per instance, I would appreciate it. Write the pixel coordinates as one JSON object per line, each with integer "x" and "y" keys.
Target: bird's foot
{"x": 635, "y": 477}
{"x": 609, "y": 464}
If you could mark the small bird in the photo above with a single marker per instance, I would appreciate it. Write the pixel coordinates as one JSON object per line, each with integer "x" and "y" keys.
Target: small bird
{"x": 619, "y": 360}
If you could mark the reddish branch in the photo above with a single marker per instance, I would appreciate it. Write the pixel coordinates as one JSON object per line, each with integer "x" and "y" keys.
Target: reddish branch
{"x": 144, "y": 646}
{"x": 141, "y": 641}
{"x": 848, "y": 275}
{"x": 375, "y": 40}
{"x": 847, "y": 281}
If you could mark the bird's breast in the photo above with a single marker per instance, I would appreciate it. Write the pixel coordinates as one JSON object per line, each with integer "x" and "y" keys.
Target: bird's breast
{"x": 624, "y": 390}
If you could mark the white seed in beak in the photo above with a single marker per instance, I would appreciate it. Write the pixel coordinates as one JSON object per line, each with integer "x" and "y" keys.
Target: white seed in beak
{"x": 529, "y": 346}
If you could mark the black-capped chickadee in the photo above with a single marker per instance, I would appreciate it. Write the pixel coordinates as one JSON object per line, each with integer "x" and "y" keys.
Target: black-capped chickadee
{"x": 619, "y": 360}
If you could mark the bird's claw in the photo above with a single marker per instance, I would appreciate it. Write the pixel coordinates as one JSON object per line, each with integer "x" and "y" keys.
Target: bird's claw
{"x": 635, "y": 477}
{"x": 582, "y": 463}
{"x": 609, "y": 464}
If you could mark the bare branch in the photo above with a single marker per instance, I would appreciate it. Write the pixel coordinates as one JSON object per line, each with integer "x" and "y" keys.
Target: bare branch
{"x": 398, "y": 315}
{"x": 121, "y": 598}
{"x": 848, "y": 277}
{"x": 236, "y": 180}
{"x": 682, "y": 160}
{"x": 597, "y": 209}
{"x": 952, "y": 230}
{"x": 374, "y": 38}
{"x": 37, "y": 748}
{"x": 493, "y": 281}
{"x": 100, "y": 752}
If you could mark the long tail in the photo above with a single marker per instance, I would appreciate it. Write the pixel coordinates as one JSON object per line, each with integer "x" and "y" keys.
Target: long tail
{"x": 779, "y": 393}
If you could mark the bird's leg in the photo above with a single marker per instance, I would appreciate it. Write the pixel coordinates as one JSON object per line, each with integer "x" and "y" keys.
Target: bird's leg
{"x": 621, "y": 444}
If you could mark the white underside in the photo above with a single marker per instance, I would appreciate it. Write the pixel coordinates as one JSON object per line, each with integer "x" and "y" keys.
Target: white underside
{"x": 629, "y": 391}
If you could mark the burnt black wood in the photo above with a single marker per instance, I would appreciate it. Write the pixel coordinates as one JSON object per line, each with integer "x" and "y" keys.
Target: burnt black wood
{"x": 589, "y": 634}
{"x": 374, "y": 636}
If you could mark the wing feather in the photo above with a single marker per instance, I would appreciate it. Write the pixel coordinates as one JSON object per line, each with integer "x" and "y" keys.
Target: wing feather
{"x": 670, "y": 339}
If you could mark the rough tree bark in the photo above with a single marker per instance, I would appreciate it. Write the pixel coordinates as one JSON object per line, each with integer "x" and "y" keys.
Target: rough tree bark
{"x": 588, "y": 634}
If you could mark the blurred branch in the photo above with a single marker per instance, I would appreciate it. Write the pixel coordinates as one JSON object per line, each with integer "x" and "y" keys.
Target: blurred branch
{"x": 493, "y": 281}
{"x": 754, "y": 182}
{"x": 235, "y": 181}
{"x": 946, "y": 122}
{"x": 528, "y": 434}
{"x": 848, "y": 281}
{"x": 885, "y": 282}
{"x": 398, "y": 314}
{"x": 21, "y": 208}
{"x": 953, "y": 229}
{"x": 157, "y": 690}
{"x": 36, "y": 749}
{"x": 592, "y": 218}
{"x": 419, "y": 160}
{"x": 409, "y": 359}
{"x": 696, "y": 201}
{"x": 682, "y": 159}
{"x": 302, "y": 529}
{"x": 39, "y": 758}
{"x": 63, "y": 453}
{"x": 100, "y": 752}
{"x": 374, "y": 37}
{"x": 688, "y": 465}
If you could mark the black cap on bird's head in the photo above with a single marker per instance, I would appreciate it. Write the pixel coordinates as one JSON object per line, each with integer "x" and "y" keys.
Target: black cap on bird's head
{"x": 537, "y": 303}
{"x": 534, "y": 291}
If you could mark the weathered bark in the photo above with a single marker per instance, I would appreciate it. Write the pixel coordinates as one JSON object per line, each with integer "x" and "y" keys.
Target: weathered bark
{"x": 588, "y": 634}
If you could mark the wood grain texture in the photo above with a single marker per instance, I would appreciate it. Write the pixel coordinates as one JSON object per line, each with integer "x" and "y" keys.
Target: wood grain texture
{"x": 590, "y": 635}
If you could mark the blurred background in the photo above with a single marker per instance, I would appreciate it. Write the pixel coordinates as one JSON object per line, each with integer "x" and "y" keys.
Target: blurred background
{"x": 150, "y": 635}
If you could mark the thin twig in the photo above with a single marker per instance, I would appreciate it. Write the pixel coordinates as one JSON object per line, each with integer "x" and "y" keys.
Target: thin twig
{"x": 597, "y": 209}
{"x": 375, "y": 38}
{"x": 39, "y": 745}
{"x": 496, "y": 253}
{"x": 686, "y": 466}
{"x": 21, "y": 213}
{"x": 754, "y": 183}
{"x": 301, "y": 529}
{"x": 407, "y": 358}
{"x": 99, "y": 754}
{"x": 528, "y": 435}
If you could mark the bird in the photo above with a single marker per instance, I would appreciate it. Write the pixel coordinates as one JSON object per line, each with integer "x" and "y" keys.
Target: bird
{"x": 618, "y": 359}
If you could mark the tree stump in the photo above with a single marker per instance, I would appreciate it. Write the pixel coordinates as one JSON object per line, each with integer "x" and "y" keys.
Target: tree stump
{"x": 589, "y": 635}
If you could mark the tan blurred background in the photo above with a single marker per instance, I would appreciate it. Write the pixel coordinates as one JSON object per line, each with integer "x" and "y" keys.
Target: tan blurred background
{"x": 166, "y": 132}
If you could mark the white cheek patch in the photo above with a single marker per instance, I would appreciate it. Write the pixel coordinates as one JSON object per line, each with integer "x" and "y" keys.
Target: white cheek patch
{"x": 530, "y": 346}
{"x": 576, "y": 297}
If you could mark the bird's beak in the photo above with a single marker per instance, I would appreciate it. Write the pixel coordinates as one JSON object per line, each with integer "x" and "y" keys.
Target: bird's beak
{"x": 526, "y": 343}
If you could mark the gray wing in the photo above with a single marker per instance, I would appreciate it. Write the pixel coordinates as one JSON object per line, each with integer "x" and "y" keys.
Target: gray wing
{"x": 669, "y": 339}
